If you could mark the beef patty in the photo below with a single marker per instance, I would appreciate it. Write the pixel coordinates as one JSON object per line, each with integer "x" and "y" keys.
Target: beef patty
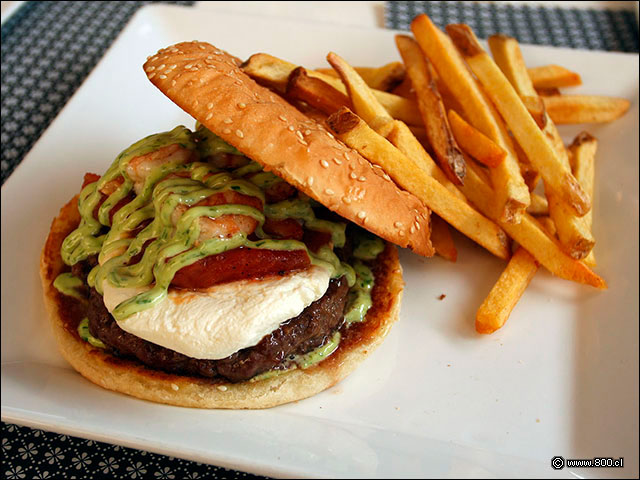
{"x": 298, "y": 335}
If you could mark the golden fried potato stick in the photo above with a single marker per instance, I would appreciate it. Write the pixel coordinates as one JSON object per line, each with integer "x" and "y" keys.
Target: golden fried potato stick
{"x": 553, "y": 76}
{"x": 315, "y": 92}
{"x": 364, "y": 102}
{"x": 583, "y": 152}
{"x": 442, "y": 240}
{"x": 472, "y": 141}
{"x": 511, "y": 192}
{"x": 539, "y": 205}
{"x": 405, "y": 139}
{"x": 387, "y": 77}
{"x": 274, "y": 73}
{"x": 496, "y": 308}
{"x": 353, "y": 131}
{"x": 432, "y": 109}
{"x": 539, "y": 150}
{"x": 573, "y": 231}
{"x": 570, "y": 109}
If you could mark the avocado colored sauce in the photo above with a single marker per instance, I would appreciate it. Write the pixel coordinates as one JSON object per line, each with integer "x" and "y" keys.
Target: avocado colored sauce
{"x": 210, "y": 144}
{"x": 68, "y": 284}
{"x": 367, "y": 245}
{"x": 304, "y": 361}
{"x": 316, "y": 356}
{"x": 85, "y": 334}
{"x": 173, "y": 243}
{"x": 359, "y": 299}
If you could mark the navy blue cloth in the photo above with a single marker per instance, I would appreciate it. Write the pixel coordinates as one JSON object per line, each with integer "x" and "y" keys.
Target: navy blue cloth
{"x": 590, "y": 29}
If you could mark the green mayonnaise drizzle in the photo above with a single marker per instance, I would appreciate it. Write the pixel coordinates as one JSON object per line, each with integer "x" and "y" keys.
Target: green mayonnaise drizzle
{"x": 210, "y": 144}
{"x": 68, "y": 284}
{"x": 367, "y": 245}
{"x": 359, "y": 298}
{"x": 163, "y": 220}
{"x": 316, "y": 356}
{"x": 85, "y": 334}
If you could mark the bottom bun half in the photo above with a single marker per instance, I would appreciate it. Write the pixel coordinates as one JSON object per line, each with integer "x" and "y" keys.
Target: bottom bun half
{"x": 132, "y": 378}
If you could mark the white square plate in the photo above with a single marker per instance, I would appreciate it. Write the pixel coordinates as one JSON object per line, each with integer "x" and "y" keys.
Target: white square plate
{"x": 561, "y": 378}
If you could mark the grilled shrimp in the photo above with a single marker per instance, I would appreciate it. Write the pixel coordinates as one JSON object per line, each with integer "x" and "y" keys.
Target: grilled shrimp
{"x": 139, "y": 168}
{"x": 226, "y": 225}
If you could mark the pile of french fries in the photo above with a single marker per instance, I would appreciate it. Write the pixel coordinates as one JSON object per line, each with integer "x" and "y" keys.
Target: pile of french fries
{"x": 474, "y": 137}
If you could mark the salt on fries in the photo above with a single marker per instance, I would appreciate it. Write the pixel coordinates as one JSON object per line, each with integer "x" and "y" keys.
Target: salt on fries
{"x": 490, "y": 123}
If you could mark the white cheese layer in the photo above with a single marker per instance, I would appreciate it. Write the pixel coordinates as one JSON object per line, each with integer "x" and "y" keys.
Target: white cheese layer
{"x": 216, "y": 323}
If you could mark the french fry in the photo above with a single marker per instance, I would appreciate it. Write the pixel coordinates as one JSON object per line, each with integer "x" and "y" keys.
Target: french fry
{"x": 548, "y": 225}
{"x": 364, "y": 103}
{"x": 539, "y": 150}
{"x": 573, "y": 232}
{"x": 568, "y": 109}
{"x": 353, "y": 131}
{"x": 496, "y": 308}
{"x": 548, "y": 92}
{"x": 407, "y": 142}
{"x": 315, "y": 92}
{"x": 405, "y": 89}
{"x": 510, "y": 191}
{"x": 432, "y": 109}
{"x": 553, "y": 76}
{"x": 274, "y": 73}
{"x": 442, "y": 240}
{"x": 387, "y": 77}
{"x": 539, "y": 205}
{"x": 483, "y": 149}
{"x": 583, "y": 152}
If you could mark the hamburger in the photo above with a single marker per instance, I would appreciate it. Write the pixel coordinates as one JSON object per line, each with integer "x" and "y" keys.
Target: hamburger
{"x": 246, "y": 263}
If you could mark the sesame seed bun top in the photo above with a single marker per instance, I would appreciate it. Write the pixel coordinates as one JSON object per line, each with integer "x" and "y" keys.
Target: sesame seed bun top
{"x": 208, "y": 84}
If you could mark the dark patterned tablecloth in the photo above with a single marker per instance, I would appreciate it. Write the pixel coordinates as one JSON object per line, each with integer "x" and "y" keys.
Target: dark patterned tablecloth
{"x": 49, "y": 48}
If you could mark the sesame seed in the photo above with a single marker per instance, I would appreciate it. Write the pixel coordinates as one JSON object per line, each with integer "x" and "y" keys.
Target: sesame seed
{"x": 173, "y": 83}
{"x": 209, "y": 57}
{"x": 337, "y": 160}
{"x": 328, "y": 191}
{"x": 353, "y": 175}
{"x": 209, "y": 106}
{"x": 307, "y": 132}
{"x": 188, "y": 66}
{"x": 412, "y": 229}
{"x": 303, "y": 142}
{"x": 242, "y": 105}
{"x": 209, "y": 115}
{"x": 175, "y": 387}
{"x": 310, "y": 181}
{"x": 291, "y": 128}
{"x": 346, "y": 156}
{"x": 150, "y": 69}
{"x": 167, "y": 71}
{"x": 386, "y": 177}
{"x": 239, "y": 133}
{"x": 417, "y": 225}
{"x": 362, "y": 214}
{"x": 346, "y": 200}
{"x": 398, "y": 224}
{"x": 324, "y": 163}
{"x": 162, "y": 77}
{"x": 151, "y": 75}
{"x": 299, "y": 134}
{"x": 329, "y": 134}
{"x": 201, "y": 47}
{"x": 283, "y": 118}
{"x": 227, "y": 131}
{"x": 401, "y": 233}
{"x": 195, "y": 103}
{"x": 228, "y": 121}
{"x": 362, "y": 179}
{"x": 222, "y": 388}
{"x": 161, "y": 66}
